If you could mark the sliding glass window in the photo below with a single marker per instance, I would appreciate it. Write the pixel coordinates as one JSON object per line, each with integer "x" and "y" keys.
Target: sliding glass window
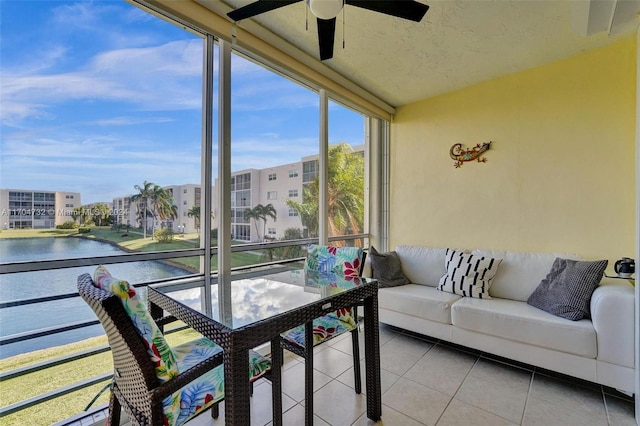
{"x": 346, "y": 184}
{"x": 101, "y": 125}
{"x": 274, "y": 134}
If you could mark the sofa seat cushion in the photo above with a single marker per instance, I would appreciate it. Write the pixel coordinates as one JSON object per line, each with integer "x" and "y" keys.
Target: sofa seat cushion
{"x": 520, "y": 322}
{"x": 418, "y": 300}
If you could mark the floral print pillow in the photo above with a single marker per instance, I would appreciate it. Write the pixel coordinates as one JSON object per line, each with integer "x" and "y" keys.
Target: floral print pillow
{"x": 343, "y": 261}
{"x": 157, "y": 347}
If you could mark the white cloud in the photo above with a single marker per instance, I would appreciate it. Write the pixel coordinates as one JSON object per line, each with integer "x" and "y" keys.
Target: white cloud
{"x": 160, "y": 78}
{"x": 132, "y": 121}
{"x": 102, "y": 97}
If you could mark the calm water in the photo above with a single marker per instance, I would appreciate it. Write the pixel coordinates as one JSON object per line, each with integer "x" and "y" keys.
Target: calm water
{"x": 62, "y": 281}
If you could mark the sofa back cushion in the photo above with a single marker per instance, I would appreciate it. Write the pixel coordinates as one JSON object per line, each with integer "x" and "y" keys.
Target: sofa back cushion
{"x": 422, "y": 265}
{"x": 520, "y": 273}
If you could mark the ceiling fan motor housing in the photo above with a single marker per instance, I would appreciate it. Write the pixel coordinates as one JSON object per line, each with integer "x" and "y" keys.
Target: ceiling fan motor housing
{"x": 325, "y": 9}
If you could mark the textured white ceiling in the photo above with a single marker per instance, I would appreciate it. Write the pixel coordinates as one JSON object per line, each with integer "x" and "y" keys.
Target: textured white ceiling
{"x": 457, "y": 44}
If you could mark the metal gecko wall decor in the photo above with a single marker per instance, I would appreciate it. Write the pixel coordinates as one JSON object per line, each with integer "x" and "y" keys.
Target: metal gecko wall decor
{"x": 461, "y": 155}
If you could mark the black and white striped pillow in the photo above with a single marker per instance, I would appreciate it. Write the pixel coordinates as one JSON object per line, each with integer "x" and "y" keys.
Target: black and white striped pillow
{"x": 468, "y": 275}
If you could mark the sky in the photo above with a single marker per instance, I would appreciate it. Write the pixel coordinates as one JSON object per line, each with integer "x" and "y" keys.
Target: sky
{"x": 98, "y": 96}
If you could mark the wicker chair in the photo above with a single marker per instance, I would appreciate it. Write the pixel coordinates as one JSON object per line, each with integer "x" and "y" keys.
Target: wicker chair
{"x": 327, "y": 260}
{"x": 136, "y": 385}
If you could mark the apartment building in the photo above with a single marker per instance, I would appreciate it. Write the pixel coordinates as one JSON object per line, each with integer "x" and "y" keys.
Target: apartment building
{"x": 272, "y": 185}
{"x": 36, "y": 209}
{"x": 249, "y": 187}
{"x": 185, "y": 198}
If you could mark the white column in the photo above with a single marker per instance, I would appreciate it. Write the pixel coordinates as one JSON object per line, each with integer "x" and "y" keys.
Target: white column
{"x": 637, "y": 289}
{"x": 323, "y": 159}
{"x": 206, "y": 164}
{"x": 224, "y": 180}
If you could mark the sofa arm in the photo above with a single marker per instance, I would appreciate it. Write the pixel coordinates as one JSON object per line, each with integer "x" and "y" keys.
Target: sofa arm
{"x": 612, "y": 313}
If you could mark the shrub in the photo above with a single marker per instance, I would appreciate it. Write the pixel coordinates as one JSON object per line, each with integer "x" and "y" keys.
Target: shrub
{"x": 84, "y": 229}
{"x": 164, "y": 235}
{"x": 70, "y": 224}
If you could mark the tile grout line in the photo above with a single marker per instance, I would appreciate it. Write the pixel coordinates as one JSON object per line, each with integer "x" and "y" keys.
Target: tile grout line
{"x": 526, "y": 401}
{"x": 479, "y": 357}
{"x": 456, "y": 392}
{"x": 606, "y": 406}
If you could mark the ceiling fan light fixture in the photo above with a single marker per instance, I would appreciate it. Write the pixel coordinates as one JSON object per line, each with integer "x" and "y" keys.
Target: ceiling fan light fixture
{"x": 325, "y": 9}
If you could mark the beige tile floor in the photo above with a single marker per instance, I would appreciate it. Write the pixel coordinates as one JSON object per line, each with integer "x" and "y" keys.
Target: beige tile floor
{"x": 426, "y": 382}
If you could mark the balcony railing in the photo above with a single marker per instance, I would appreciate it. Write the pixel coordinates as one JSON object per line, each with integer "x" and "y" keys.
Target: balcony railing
{"x": 18, "y": 267}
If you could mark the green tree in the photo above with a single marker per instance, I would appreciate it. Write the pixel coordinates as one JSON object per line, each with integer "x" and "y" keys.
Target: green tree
{"x": 195, "y": 213}
{"x": 286, "y": 252}
{"x": 266, "y": 212}
{"x": 255, "y": 215}
{"x": 345, "y": 194}
{"x": 101, "y": 213}
{"x": 145, "y": 192}
{"x": 76, "y": 213}
{"x": 263, "y": 213}
{"x": 162, "y": 205}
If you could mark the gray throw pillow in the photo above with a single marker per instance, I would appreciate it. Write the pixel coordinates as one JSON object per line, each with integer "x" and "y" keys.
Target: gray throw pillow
{"x": 387, "y": 269}
{"x": 567, "y": 289}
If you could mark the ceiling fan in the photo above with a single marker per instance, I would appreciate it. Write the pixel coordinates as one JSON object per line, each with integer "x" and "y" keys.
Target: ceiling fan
{"x": 326, "y": 11}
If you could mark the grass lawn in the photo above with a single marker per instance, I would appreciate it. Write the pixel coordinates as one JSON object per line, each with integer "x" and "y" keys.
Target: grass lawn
{"x": 33, "y": 384}
{"x": 34, "y": 233}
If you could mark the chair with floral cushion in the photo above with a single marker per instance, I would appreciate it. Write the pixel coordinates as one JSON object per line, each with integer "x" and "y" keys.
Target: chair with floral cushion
{"x": 156, "y": 384}
{"x": 328, "y": 262}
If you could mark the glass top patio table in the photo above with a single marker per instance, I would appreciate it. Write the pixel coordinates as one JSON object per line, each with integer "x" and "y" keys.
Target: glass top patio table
{"x": 258, "y": 309}
{"x": 257, "y": 298}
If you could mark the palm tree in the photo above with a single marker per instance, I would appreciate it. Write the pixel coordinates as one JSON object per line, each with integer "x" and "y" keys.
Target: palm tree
{"x": 266, "y": 212}
{"x": 255, "y": 215}
{"x": 162, "y": 204}
{"x": 77, "y": 213}
{"x": 143, "y": 196}
{"x": 345, "y": 194}
{"x": 101, "y": 213}
{"x": 260, "y": 212}
{"x": 308, "y": 211}
{"x": 195, "y": 213}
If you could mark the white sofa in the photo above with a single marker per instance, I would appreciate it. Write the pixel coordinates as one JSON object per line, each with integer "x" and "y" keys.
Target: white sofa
{"x": 599, "y": 350}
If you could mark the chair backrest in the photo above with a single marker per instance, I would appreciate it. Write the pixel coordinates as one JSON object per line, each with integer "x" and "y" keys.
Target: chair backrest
{"x": 134, "y": 373}
{"x": 343, "y": 261}
{"x": 158, "y": 350}
{"x": 347, "y": 261}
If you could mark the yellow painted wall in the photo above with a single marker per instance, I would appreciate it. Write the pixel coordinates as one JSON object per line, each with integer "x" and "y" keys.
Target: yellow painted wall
{"x": 560, "y": 175}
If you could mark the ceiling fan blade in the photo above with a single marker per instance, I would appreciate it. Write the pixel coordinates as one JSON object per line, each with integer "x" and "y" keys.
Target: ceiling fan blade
{"x": 406, "y": 9}
{"x": 326, "y": 37}
{"x": 257, "y": 8}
